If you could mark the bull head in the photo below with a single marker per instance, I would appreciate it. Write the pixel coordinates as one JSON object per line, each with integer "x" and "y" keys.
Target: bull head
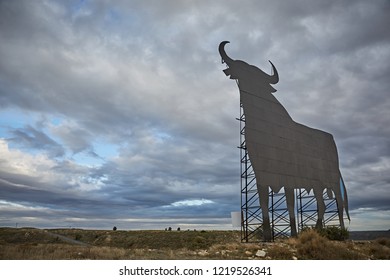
{"x": 240, "y": 70}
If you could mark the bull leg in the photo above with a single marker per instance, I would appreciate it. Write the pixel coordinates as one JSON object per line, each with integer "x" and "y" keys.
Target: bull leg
{"x": 264, "y": 201}
{"x": 340, "y": 208}
{"x": 290, "y": 200}
{"x": 320, "y": 207}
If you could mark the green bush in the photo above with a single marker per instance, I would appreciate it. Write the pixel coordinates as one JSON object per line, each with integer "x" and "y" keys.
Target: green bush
{"x": 334, "y": 233}
{"x": 330, "y": 232}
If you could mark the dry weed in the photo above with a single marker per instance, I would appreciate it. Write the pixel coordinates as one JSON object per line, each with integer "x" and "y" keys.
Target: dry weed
{"x": 312, "y": 246}
{"x": 280, "y": 252}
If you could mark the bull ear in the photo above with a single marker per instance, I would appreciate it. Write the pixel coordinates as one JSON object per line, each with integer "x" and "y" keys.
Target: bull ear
{"x": 274, "y": 79}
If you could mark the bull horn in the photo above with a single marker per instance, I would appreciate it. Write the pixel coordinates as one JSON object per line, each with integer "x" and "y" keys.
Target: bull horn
{"x": 275, "y": 77}
{"x": 224, "y": 56}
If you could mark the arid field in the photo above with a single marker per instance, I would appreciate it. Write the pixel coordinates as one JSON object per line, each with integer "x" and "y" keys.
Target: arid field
{"x": 60, "y": 244}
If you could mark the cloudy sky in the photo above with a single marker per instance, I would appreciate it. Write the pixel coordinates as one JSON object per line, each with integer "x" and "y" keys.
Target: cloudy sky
{"x": 118, "y": 112}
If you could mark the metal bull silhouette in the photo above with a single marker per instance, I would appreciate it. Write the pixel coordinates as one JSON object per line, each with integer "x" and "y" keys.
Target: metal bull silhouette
{"x": 284, "y": 153}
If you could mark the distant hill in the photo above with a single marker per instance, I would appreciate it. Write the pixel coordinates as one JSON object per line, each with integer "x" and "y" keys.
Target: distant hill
{"x": 369, "y": 235}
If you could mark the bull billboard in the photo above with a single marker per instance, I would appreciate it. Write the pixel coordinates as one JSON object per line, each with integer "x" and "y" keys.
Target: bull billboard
{"x": 284, "y": 153}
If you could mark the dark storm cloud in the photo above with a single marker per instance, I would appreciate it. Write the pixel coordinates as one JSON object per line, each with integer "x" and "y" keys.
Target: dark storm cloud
{"x": 146, "y": 80}
{"x": 31, "y": 138}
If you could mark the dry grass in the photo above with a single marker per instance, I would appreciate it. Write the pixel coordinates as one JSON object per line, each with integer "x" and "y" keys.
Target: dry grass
{"x": 380, "y": 249}
{"x": 60, "y": 252}
{"x": 25, "y": 244}
{"x": 312, "y": 245}
{"x": 282, "y": 252}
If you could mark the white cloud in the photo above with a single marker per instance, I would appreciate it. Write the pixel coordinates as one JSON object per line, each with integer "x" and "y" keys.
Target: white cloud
{"x": 17, "y": 162}
{"x": 193, "y": 202}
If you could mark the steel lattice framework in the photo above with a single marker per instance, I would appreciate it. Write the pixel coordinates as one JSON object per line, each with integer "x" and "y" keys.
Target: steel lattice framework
{"x": 251, "y": 216}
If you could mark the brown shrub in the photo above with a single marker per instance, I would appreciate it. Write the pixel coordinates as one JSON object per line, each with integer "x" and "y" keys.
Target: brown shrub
{"x": 380, "y": 249}
{"x": 280, "y": 253}
{"x": 312, "y": 246}
{"x": 384, "y": 241}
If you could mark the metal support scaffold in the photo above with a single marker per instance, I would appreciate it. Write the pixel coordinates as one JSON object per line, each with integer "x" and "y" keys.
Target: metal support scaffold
{"x": 251, "y": 218}
{"x": 251, "y": 214}
{"x": 280, "y": 220}
{"x": 307, "y": 210}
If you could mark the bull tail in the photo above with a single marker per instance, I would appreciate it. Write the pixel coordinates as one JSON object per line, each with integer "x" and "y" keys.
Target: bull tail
{"x": 345, "y": 198}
